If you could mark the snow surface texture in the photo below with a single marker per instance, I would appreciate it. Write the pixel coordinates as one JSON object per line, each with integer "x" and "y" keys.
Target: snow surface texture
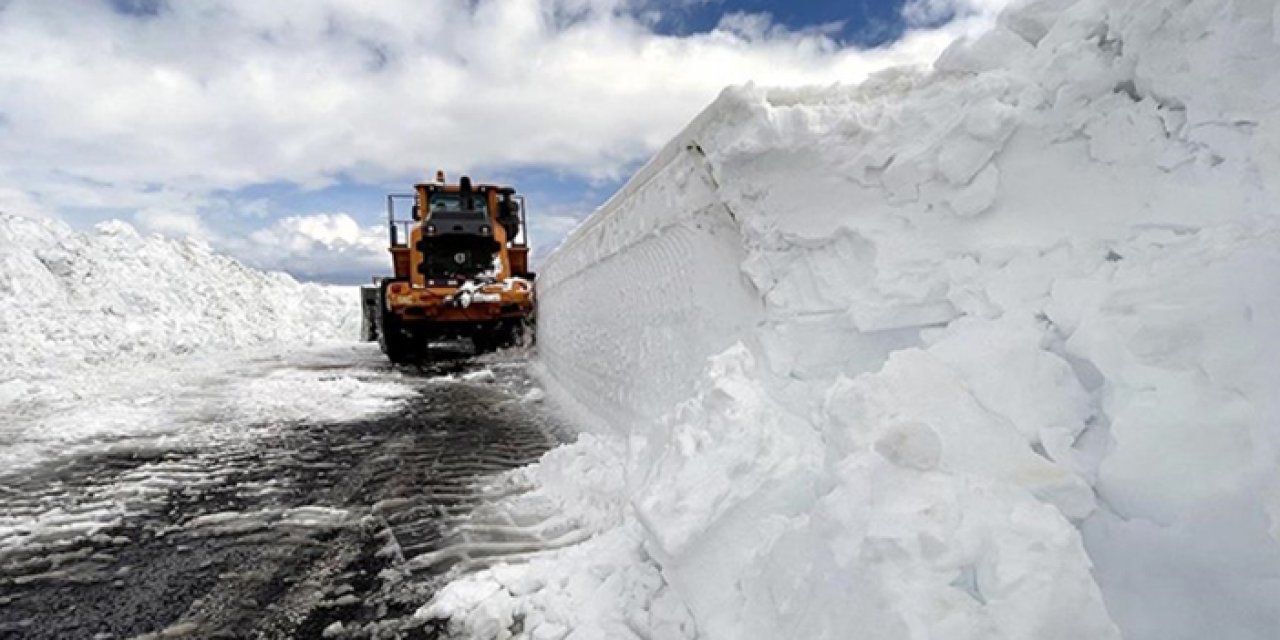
{"x": 68, "y": 299}
{"x": 984, "y": 351}
{"x": 110, "y": 333}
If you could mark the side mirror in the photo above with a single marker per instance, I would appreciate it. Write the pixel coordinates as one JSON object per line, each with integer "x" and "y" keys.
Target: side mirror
{"x": 417, "y": 215}
{"x": 510, "y": 208}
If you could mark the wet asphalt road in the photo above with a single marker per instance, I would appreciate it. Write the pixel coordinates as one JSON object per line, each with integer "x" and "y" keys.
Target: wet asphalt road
{"x": 277, "y": 536}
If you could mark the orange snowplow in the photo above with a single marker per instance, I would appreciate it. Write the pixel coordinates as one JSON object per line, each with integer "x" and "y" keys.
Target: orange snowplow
{"x": 461, "y": 270}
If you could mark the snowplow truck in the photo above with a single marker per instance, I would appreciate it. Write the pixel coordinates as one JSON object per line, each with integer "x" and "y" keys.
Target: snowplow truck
{"x": 460, "y": 260}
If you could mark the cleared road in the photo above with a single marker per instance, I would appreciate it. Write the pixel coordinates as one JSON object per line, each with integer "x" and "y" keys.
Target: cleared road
{"x": 281, "y": 535}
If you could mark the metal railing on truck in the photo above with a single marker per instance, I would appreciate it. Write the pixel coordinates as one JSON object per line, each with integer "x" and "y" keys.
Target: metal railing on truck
{"x": 394, "y": 224}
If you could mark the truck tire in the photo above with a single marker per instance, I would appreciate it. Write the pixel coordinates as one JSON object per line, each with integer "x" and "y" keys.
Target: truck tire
{"x": 392, "y": 339}
{"x": 513, "y": 334}
{"x": 527, "y": 332}
{"x": 368, "y": 314}
{"x": 507, "y": 334}
{"x": 486, "y": 341}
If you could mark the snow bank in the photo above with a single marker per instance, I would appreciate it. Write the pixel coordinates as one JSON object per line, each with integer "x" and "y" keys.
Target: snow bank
{"x": 987, "y": 351}
{"x": 579, "y": 484}
{"x": 71, "y": 299}
{"x": 108, "y": 334}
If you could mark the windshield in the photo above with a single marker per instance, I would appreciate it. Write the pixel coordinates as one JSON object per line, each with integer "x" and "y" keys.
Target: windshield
{"x": 455, "y": 204}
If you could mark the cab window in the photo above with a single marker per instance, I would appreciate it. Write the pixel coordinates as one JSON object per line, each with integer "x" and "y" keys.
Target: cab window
{"x": 455, "y": 203}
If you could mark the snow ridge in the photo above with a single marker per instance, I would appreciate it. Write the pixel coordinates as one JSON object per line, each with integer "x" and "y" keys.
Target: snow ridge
{"x": 111, "y": 338}
{"x": 982, "y": 351}
{"x": 71, "y": 299}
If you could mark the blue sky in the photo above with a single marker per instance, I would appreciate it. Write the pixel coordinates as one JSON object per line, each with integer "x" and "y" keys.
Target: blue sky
{"x": 273, "y": 132}
{"x": 866, "y": 23}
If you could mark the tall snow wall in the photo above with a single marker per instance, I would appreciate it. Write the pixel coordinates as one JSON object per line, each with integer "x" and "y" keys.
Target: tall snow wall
{"x": 982, "y": 351}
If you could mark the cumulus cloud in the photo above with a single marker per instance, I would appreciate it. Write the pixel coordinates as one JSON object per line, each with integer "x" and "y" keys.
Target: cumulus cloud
{"x": 170, "y": 223}
{"x": 923, "y": 13}
{"x": 19, "y": 202}
{"x": 200, "y": 95}
{"x": 155, "y": 106}
{"x": 324, "y": 245}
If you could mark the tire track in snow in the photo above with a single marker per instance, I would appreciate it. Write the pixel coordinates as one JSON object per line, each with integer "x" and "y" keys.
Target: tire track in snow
{"x": 279, "y": 535}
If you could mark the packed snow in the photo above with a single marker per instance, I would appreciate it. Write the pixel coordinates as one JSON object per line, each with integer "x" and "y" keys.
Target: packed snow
{"x": 69, "y": 298}
{"x": 986, "y": 350}
{"x": 109, "y": 334}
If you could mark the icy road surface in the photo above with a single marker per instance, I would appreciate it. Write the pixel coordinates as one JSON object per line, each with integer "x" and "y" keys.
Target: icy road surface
{"x": 245, "y": 515}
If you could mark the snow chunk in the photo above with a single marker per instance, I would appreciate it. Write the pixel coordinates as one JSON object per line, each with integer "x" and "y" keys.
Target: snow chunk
{"x": 888, "y": 359}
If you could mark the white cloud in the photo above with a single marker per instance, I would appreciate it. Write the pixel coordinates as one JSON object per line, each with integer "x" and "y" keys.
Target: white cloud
{"x": 19, "y": 202}
{"x": 177, "y": 224}
{"x": 159, "y": 114}
{"x": 922, "y": 13}
{"x": 547, "y": 230}
{"x": 927, "y": 11}
{"x": 322, "y": 244}
{"x": 219, "y": 94}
